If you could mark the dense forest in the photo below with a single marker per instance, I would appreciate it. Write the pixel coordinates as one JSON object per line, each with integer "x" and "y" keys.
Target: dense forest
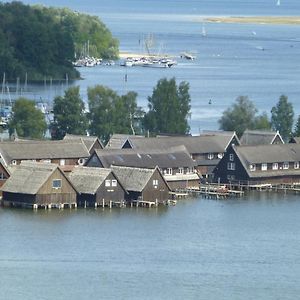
{"x": 42, "y": 42}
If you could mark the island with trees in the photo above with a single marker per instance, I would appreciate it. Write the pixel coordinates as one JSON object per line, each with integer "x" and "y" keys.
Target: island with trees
{"x": 38, "y": 42}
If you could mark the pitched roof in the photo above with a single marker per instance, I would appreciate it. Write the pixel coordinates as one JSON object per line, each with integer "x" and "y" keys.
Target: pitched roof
{"x": 133, "y": 179}
{"x": 267, "y": 154}
{"x": 193, "y": 144}
{"x": 88, "y": 180}
{"x": 42, "y": 150}
{"x": 259, "y": 137}
{"x": 28, "y": 177}
{"x": 295, "y": 139}
{"x": 89, "y": 141}
{"x": 117, "y": 140}
{"x": 133, "y": 158}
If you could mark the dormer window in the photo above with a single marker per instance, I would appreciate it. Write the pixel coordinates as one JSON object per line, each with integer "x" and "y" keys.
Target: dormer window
{"x": 296, "y": 165}
{"x": 14, "y": 162}
{"x": 285, "y": 165}
{"x": 210, "y": 156}
{"x": 252, "y": 167}
{"x": 180, "y": 170}
{"x": 275, "y": 166}
{"x": 264, "y": 167}
{"x": 231, "y": 157}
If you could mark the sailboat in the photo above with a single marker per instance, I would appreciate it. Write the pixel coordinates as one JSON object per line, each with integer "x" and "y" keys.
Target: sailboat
{"x": 278, "y": 3}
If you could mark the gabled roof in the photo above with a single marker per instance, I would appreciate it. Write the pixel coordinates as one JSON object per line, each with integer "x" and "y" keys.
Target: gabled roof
{"x": 173, "y": 158}
{"x": 89, "y": 141}
{"x": 88, "y": 180}
{"x": 117, "y": 141}
{"x": 29, "y": 177}
{"x": 42, "y": 150}
{"x": 194, "y": 144}
{"x": 134, "y": 179}
{"x": 267, "y": 154}
{"x": 259, "y": 137}
{"x": 295, "y": 139}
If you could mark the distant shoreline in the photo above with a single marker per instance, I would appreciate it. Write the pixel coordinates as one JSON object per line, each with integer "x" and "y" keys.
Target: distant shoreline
{"x": 268, "y": 20}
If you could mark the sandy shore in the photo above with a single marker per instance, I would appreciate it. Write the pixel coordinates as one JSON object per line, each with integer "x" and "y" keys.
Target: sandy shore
{"x": 278, "y": 20}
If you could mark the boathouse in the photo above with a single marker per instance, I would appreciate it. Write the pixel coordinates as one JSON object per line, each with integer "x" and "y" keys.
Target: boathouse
{"x": 176, "y": 165}
{"x": 91, "y": 142}
{"x": 63, "y": 153}
{"x": 260, "y": 164}
{"x": 97, "y": 187}
{"x": 145, "y": 185}
{"x": 206, "y": 149}
{"x": 261, "y": 137}
{"x": 36, "y": 185}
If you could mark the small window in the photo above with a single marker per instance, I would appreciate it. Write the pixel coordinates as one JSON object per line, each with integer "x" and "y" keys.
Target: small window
{"x": 210, "y": 156}
{"x": 275, "y": 166}
{"x": 56, "y": 183}
{"x": 46, "y": 161}
{"x": 62, "y": 162}
{"x": 230, "y": 177}
{"x": 180, "y": 170}
{"x": 114, "y": 182}
{"x": 264, "y": 167}
{"x": 155, "y": 182}
{"x": 14, "y": 162}
{"x": 252, "y": 167}
{"x": 2, "y": 176}
{"x": 231, "y": 157}
{"x": 285, "y": 165}
{"x": 107, "y": 182}
{"x": 231, "y": 166}
{"x": 81, "y": 161}
{"x": 220, "y": 155}
{"x": 169, "y": 171}
{"x": 296, "y": 165}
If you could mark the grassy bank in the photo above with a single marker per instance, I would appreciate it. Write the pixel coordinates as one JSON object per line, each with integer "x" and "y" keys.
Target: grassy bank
{"x": 278, "y": 20}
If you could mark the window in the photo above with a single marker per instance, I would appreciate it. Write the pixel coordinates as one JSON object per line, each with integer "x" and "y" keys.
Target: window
{"x": 81, "y": 161}
{"x": 296, "y": 165}
{"x": 231, "y": 157}
{"x": 114, "y": 182}
{"x": 264, "y": 167}
{"x": 230, "y": 177}
{"x": 231, "y": 166}
{"x": 220, "y": 155}
{"x": 275, "y": 166}
{"x": 155, "y": 182}
{"x": 46, "y": 161}
{"x": 169, "y": 171}
{"x": 14, "y": 162}
{"x": 56, "y": 183}
{"x": 107, "y": 182}
{"x": 2, "y": 176}
{"x": 210, "y": 156}
{"x": 252, "y": 167}
{"x": 180, "y": 170}
{"x": 285, "y": 165}
{"x": 62, "y": 162}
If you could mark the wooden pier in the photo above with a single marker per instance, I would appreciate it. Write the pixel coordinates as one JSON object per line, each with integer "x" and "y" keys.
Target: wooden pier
{"x": 213, "y": 191}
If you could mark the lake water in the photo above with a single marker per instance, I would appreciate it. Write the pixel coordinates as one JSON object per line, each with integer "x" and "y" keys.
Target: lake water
{"x": 261, "y": 61}
{"x": 198, "y": 249}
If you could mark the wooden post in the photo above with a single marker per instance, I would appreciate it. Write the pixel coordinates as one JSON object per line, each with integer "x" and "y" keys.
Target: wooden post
{"x": 103, "y": 202}
{"x": 110, "y": 204}
{"x": 35, "y": 206}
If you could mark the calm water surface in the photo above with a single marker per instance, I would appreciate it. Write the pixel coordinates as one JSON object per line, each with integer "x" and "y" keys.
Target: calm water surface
{"x": 199, "y": 249}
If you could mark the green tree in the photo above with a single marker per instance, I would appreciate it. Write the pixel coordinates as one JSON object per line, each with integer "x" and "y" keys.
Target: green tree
{"x": 169, "y": 108}
{"x": 262, "y": 122}
{"x": 69, "y": 114}
{"x": 282, "y": 117}
{"x": 297, "y": 127}
{"x": 239, "y": 117}
{"x": 111, "y": 113}
{"x": 27, "y": 120}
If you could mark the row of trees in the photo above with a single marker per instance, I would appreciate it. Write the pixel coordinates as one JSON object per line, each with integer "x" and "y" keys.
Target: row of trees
{"x": 243, "y": 115}
{"x": 108, "y": 113}
{"x": 36, "y": 41}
